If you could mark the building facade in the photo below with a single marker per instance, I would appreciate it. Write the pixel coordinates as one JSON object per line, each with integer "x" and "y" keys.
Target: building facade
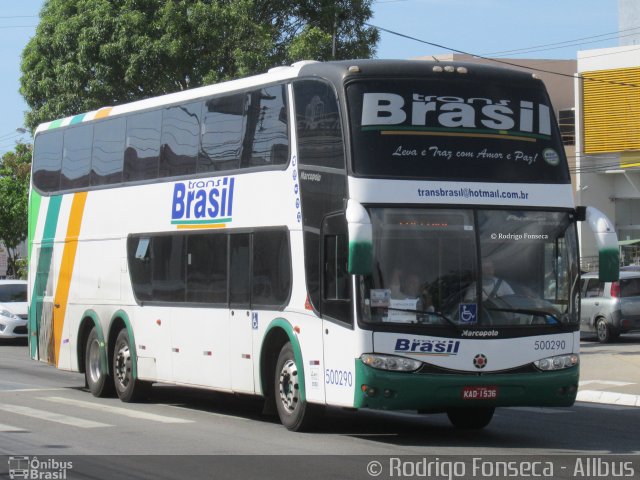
{"x": 607, "y": 172}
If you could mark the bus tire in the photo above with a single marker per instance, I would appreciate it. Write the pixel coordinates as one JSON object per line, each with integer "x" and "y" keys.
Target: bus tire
{"x": 471, "y": 418}
{"x": 294, "y": 412}
{"x": 128, "y": 388}
{"x": 99, "y": 383}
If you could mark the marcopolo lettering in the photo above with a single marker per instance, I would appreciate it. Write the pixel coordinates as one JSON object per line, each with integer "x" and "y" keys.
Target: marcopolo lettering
{"x": 203, "y": 201}
{"x": 427, "y": 346}
{"x": 455, "y": 112}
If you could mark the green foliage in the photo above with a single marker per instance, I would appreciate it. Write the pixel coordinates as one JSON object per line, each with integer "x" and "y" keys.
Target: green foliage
{"x": 14, "y": 192}
{"x": 90, "y": 53}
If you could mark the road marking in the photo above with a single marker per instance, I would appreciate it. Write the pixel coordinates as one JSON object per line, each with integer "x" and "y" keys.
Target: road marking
{"x": 51, "y": 416}
{"x": 117, "y": 410}
{"x": 605, "y": 382}
{"x": 19, "y": 390}
{"x": 613, "y": 398}
{"x": 221, "y": 415}
{"x": 8, "y": 428}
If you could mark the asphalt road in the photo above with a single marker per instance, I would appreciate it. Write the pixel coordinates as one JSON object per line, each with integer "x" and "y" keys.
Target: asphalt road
{"x": 48, "y": 413}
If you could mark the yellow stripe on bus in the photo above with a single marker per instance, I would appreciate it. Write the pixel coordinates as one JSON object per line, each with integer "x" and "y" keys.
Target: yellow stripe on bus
{"x": 66, "y": 269}
{"x": 103, "y": 112}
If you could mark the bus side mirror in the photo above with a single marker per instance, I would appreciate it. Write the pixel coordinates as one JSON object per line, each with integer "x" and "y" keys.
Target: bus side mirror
{"x": 607, "y": 241}
{"x": 360, "y": 239}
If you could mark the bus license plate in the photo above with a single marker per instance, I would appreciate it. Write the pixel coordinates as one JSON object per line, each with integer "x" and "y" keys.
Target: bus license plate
{"x": 480, "y": 393}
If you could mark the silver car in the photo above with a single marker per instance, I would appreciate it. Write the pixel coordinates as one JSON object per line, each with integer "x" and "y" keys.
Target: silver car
{"x": 13, "y": 308}
{"x": 608, "y": 309}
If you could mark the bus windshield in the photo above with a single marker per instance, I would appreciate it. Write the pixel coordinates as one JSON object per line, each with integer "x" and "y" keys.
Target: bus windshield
{"x": 469, "y": 268}
{"x": 455, "y": 129}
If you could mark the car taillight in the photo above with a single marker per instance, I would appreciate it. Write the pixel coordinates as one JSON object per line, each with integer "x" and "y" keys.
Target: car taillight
{"x": 615, "y": 289}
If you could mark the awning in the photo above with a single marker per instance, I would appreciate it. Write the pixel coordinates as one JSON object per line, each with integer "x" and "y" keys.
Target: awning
{"x": 624, "y": 243}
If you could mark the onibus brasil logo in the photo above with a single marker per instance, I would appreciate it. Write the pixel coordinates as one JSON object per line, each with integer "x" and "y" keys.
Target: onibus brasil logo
{"x": 202, "y": 203}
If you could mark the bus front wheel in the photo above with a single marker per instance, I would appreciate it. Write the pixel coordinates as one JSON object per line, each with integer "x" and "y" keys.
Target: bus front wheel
{"x": 99, "y": 382}
{"x": 294, "y": 412}
{"x": 128, "y": 388}
{"x": 471, "y": 418}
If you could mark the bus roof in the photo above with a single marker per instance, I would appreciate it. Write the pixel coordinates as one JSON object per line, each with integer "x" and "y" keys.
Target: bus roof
{"x": 337, "y": 72}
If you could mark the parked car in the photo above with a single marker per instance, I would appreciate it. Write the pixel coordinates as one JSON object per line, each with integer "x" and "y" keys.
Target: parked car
{"x": 13, "y": 308}
{"x": 608, "y": 309}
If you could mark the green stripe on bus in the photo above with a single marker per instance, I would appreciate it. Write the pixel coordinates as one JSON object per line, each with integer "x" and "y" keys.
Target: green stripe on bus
{"x": 34, "y": 208}
{"x": 43, "y": 267}
{"x": 55, "y": 124}
{"x": 200, "y": 222}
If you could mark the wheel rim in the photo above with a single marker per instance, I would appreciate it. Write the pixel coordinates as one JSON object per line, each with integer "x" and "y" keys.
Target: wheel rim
{"x": 602, "y": 330}
{"x": 94, "y": 362}
{"x": 122, "y": 365}
{"x": 289, "y": 389}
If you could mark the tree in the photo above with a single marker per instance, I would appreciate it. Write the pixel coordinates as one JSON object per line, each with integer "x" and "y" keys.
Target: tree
{"x": 15, "y": 170}
{"x": 90, "y": 53}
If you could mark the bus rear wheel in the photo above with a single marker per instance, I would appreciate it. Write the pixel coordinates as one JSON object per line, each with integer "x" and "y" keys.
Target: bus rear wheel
{"x": 471, "y": 418}
{"x": 294, "y": 412}
{"x": 99, "y": 382}
{"x": 128, "y": 388}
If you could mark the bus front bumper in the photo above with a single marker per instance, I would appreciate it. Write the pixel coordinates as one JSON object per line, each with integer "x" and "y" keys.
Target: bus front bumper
{"x": 380, "y": 389}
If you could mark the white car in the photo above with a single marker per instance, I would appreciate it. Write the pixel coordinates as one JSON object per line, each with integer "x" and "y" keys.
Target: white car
{"x": 13, "y": 309}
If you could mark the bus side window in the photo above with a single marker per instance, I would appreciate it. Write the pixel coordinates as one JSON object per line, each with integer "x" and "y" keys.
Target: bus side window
{"x": 318, "y": 125}
{"x": 76, "y": 157}
{"x": 167, "y": 268}
{"x": 335, "y": 268}
{"x": 266, "y": 138}
{"x": 47, "y": 161}
{"x": 142, "y": 146}
{"x": 180, "y": 139}
{"x": 271, "y": 282}
{"x": 207, "y": 268}
{"x": 239, "y": 270}
{"x": 108, "y": 151}
{"x": 139, "y": 254}
{"x": 336, "y": 281}
{"x": 223, "y": 124}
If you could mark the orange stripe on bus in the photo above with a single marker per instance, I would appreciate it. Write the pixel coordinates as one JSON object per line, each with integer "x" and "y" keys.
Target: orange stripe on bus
{"x": 103, "y": 112}
{"x": 66, "y": 269}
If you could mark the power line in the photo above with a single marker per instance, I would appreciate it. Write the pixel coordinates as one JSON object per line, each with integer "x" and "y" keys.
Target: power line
{"x": 567, "y": 43}
{"x": 610, "y": 53}
{"x": 503, "y": 62}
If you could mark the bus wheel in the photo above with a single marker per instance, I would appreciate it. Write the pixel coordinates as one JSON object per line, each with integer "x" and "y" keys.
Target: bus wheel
{"x": 100, "y": 384}
{"x": 471, "y": 418}
{"x": 128, "y": 388}
{"x": 294, "y": 412}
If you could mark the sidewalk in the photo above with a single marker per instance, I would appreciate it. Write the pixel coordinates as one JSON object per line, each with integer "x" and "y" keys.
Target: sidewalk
{"x": 610, "y": 374}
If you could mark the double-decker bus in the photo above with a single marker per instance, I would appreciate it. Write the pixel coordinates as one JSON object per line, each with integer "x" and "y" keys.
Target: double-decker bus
{"x": 365, "y": 234}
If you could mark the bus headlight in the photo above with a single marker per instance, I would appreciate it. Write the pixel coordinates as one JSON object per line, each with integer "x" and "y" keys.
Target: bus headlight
{"x": 390, "y": 362}
{"x": 558, "y": 362}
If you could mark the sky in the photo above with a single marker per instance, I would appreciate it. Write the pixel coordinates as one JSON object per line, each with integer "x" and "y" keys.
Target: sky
{"x": 554, "y": 29}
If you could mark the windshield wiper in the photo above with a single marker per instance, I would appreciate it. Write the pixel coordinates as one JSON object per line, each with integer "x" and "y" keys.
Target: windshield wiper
{"x": 537, "y": 313}
{"x": 424, "y": 312}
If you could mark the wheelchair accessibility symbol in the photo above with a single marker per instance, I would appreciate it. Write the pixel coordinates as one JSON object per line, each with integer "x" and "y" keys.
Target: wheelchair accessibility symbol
{"x": 468, "y": 312}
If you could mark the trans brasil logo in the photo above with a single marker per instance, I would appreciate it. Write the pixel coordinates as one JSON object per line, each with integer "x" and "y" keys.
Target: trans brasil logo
{"x": 427, "y": 346}
{"x": 203, "y": 203}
